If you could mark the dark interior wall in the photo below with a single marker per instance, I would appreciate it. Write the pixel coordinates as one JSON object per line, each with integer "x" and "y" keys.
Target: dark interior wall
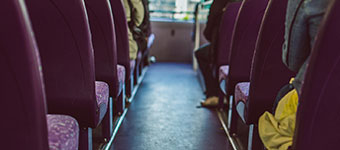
{"x": 173, "y": 41}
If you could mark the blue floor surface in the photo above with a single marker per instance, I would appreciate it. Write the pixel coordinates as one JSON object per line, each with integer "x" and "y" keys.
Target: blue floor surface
{"x": 164, "y": 116}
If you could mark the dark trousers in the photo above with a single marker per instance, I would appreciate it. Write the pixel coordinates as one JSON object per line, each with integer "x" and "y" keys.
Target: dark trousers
{"x": 208, "y": 69}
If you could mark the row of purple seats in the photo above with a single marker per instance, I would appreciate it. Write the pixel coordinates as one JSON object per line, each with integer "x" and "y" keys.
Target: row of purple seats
{"x": 268, "y": 73}
{"x": 122, "y": 43}
{"x": 105, "y": 52}
{"x": 25, "y": 123}
{"x": 317, "y": 120}
{"x": 133, "y": 67}
{"x": 254, "y": 72}
{"x": 267, "y": 68}
{"x": 242, "y": 47}
{"x": 224, "y": 41}
{"x": 63, "y": 36}
{"x": 242, "y": 44}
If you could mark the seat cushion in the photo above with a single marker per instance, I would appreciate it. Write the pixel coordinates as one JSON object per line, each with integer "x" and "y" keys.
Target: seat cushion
{"x": 242, "y": 92}
{"x": 121, "y": 76}
{"x": 121, "y": 73}
{"x": 132, "y": 65}
{"x": 223, "y": 75}
{"x": 102, "y": 96}
{"x": 63, "y": 132}
{"x": 241, "y": 97}
{"x": 223, "y": 72}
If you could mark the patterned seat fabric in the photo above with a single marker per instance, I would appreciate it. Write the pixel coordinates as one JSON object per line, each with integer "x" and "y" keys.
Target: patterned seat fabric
{"x": 132, "y": 65}
{"x": 102, "y": 96}
{"x": 241, "y": 98}
{"x": 121, "y": 73}
{"x": 121, "y": 76}
{"x": 223, "y": 72}
{"x": 63, "y": 132}
{"x": 242, "y": 92}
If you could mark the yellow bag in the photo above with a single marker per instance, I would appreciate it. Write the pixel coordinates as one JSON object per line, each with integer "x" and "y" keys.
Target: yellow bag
{"x": 276, "y": 132}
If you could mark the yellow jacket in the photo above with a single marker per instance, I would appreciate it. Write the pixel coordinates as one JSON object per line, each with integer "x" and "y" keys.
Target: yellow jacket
{"x": 138, "y": 5}
{"x": 276, "y": 132}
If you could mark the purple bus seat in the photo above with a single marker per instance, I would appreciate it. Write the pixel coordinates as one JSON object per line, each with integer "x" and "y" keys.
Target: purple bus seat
{"x": 132, "y": 64}
{"x": 122, "y": 41}
{"x": 120, "y": 103}
{"x": 138, "y": 69}
{"x": 104, "y": 44}
{"x": 63, "y": 35}
{"x": 317, "y": 120}
{"x": 223, "y": 72}
{"x": 25, "y": 122}
{"x": 241, "y": 97}
{"x": 121, "y": 73}
{"x": 132, "y": 68}
{"x": 226, "y": 32}
{"x": 243, "y": 42}
{"x": 268, "y": 73}
{"x": 63, "y": 132}
{"x": 222, "y": 77}
{"x": 102, "y": 96}
{"x": 224, "y": 41}
{"x": 105, "y": 54}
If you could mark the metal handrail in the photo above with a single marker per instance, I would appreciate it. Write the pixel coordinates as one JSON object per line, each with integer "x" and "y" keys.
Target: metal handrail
{"x": 171, "y": 11}
{"x": 197, "y": 39}
{"x": 206, "y": 3}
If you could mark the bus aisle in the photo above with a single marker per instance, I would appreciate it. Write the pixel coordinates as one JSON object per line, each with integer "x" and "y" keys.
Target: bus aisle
{"x": 164, "y": 114}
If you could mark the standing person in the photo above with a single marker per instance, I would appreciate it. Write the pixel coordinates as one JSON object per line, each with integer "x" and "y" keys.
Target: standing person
{"x": 206, "y": 54}
{"x": 303, "y": 19}
{"x": 134, "y": 11}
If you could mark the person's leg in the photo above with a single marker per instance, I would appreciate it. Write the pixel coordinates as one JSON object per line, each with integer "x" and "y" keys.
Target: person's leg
{"x": 202, "y": 56}
{"x": 210, "y": 81}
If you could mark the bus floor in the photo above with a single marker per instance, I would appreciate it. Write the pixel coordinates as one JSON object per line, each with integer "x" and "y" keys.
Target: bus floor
{"x": 164, "y": 114}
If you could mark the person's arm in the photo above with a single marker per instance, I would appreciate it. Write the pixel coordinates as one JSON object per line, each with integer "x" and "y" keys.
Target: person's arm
{"x": 314, "y": 11}
{"x": 214, "y": 17}
{"x": 127, "y": 10}
{"x": 138, "y": 5}
{"x": 133, "y": 47}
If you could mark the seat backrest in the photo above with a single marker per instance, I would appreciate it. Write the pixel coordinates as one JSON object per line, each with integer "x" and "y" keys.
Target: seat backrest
{"x": 23, "y": 109}
{"x": 121, "y": 27}
{"x": 104, "y": 42}
{"x": 268, "y": 73}
{"x": 243, "y": 42}
{"x": 63, "y": 35}
{"x": 318, "y": 123}
{"x": 226, "y": 32}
